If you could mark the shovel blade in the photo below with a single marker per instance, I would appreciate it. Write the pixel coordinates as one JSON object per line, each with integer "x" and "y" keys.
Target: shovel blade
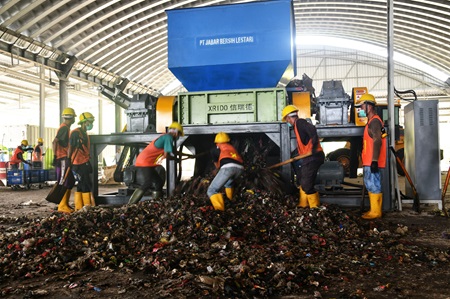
{"x": 56, "y": 194}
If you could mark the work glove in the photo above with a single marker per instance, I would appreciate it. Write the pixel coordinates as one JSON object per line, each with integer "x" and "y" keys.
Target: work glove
{"x": 374, "y": 167}
{"x": 54, "y": 161}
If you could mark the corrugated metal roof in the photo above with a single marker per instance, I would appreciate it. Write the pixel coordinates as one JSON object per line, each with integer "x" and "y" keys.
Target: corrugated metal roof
{"x": 128, "y": 39}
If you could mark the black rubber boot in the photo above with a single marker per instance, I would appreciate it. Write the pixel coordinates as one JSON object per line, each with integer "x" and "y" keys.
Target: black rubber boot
{"x": 136, "y": 196}
{"x": 157, "y": 194}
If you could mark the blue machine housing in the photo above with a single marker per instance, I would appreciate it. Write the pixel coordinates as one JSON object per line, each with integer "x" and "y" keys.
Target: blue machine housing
{"x": 239, "y": 46}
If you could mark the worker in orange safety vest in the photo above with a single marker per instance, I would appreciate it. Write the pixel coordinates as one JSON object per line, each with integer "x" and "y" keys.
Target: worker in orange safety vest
{"x": 373, "y": 154}
{"x": 230, "y": 165}
{"x": 61, "y": 161}
{"x": 308, "y": 145}
{"x": 79, "y": 154}
{"x": 38, "y": 153}
{"x": 148, "y": 163}
{"x": 17, "y": 156}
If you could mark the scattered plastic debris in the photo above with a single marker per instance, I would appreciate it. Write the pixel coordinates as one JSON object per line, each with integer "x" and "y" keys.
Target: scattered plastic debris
{"x": 261, "y": 246}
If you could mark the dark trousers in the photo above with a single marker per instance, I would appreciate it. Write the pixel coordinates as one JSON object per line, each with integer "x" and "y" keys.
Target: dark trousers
{"x": 308, "y": 174}
{"x": 148, "y": 178}
{"x": 83, "y": 175}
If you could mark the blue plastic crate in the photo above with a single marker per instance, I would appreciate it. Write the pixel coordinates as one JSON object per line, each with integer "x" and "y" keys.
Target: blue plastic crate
{"x": 14, "y": 177}
{"x": 41, "y": 175}
{"x": 34, "y": 176}
{"x": 50, "y": 175}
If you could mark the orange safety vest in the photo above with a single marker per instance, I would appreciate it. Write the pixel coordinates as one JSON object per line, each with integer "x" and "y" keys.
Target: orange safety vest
{"x": 150, "y": 155}
{"x": 37, "y": 155}
{"x": 227, "y": 151}
{"x": 308, "y": 148}
{"x": 81, "y": 155}
{"x": 367, "y": 151}
{"x": 15, "y": 159}
{"x": 61, "y": 152}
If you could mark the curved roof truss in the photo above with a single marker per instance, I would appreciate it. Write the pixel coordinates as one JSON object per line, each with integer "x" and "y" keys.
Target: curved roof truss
{"x": 109, "y": 41}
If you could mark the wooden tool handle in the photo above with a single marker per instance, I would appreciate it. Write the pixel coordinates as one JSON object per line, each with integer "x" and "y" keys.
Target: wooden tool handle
{"x": 289, "y": 161}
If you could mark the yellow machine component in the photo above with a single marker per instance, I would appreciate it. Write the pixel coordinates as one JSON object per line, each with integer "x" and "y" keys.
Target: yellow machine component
{"x": 302, "y": 101}
{"x": 357, "y": 93}
{"x": 164, "y": 112}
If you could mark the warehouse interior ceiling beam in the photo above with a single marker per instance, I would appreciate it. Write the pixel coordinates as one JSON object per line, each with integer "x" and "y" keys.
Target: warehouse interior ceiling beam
{"x": 63, "y": 65}
{"x": 349, "y": 61}
{"x": 103, "y": 42}
{"x": 318, "y": 62}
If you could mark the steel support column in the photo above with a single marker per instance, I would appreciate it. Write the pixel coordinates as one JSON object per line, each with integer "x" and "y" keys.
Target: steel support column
{"x": 63, "y": 96}
{"x": 389, "y": 195}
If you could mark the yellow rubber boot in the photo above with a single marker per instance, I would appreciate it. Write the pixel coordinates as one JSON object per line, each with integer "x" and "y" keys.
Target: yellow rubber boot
{"x": 376, "y": 202}
{"x": 303, "y": 199}
{"x": 86, "y": 198}
{"x": 313, "y": 200}
{"x": 229, "y": 192}
{"x": 64, "y": 204}
{"x": 78, "y": 201}
{"x": 217, "y": 201}
{"x": 370, "y": 210}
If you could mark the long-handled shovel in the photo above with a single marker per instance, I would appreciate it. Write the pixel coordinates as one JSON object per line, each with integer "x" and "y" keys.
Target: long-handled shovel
{"x": 363, "y": 197}
{"x": 58, "y": 190}
{"x": 416, "y": 202}
{"x": 444, "y": 191}
{"x": 56, "y": 194}
{"x": 188, "y": 156}
{"x": 289, "y": 161}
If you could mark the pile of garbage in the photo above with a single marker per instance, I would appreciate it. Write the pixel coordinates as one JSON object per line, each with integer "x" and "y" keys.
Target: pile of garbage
{"x": 262, "y": 245}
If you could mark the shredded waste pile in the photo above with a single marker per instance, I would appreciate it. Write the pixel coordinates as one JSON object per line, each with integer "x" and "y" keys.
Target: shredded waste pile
{"x": 261, "y": 246}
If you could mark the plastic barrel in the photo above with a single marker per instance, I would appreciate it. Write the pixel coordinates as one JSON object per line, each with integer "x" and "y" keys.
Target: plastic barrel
{"x": 3, "y": 169}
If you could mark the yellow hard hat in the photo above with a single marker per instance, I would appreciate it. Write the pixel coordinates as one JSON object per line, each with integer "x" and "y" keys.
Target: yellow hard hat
{"x": 24, "y": 142}
{"x": 222, "y": 137}
{"x": 40, "y": 140}
{"x": 86, "y": 116}
{"x": 178, "y": 127}
{"x": 288, "y": 110}
{"x": 366, "y": 98}
{"x": 68, "y": 113}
